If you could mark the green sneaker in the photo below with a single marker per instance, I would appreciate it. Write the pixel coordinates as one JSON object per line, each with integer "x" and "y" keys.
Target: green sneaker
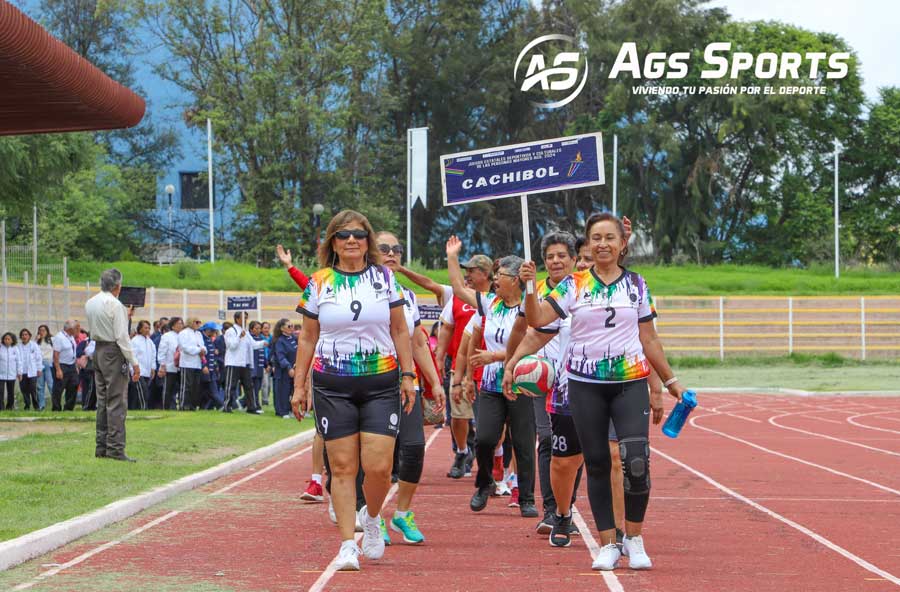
{"x": 407, "y": 526}
{"x": 384, "y": 533}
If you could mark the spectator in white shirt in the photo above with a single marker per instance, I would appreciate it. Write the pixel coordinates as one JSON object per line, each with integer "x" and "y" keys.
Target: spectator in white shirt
{"x": 66, "y": 374}
{"x": 10, "y": 370}
{"x": 32, "y": 363}
{"x": 190, "y": 342}
{"x": 145, "y": 352}
{"x": 45, "y": 378}
{"x": 239, "y": 346}
{"x": 168, "y": 368}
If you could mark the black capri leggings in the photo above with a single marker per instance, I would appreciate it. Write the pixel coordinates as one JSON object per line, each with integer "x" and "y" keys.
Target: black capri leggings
{"x": 628, "y": 404}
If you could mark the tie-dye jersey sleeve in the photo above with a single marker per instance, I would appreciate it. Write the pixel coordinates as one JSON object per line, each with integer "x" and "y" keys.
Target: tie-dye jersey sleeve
{"x": 395, "y": 297}
{"x": 309, "y": 302}
{"x": 562, "y": 297}
{"x": 646, "y": 308}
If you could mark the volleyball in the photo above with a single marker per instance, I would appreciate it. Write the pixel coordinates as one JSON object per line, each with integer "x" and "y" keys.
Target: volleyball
{"x": 534, "y": 376}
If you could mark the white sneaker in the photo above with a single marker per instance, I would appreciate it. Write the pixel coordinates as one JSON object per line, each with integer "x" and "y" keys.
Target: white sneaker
{"x": 607, "y": 558}
{"x": 501, "y": 488}
{"x": 633, "y": 548}
{"x": 348, "y": 557}
{"x": 331, "y": 515}
{"x": 372, "y": 541}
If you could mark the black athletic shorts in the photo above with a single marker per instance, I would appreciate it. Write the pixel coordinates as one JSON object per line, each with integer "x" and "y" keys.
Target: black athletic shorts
{"x": 565, "y": 438}
{"x": 346, "y": 405}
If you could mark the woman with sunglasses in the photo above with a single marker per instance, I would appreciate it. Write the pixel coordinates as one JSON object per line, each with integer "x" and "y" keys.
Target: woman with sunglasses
{"x": 498, "y": 311}
{"x": 356, "y": 338}
{"x": 411, "y": 439}
{"x": 284, "y": 344}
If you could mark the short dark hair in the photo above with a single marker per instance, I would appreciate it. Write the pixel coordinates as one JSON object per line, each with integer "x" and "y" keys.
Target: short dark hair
{"x": 11, "y": 335}
{"x": 579, "y": 242}
{"x": 172, "y": 322}
{"x": 559, "y": 238}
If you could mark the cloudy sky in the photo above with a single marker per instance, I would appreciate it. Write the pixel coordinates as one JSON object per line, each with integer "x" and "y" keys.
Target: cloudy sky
{"x": 871, "y": 27}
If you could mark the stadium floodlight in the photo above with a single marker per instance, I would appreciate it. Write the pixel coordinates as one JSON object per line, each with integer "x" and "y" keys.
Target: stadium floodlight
{"x": 317, "y": 220}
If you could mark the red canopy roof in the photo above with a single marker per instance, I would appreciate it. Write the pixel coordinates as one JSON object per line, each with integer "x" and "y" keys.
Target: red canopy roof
{"x": 46, "y": 87}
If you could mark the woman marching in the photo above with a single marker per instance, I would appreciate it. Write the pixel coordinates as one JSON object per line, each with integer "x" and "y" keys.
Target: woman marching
{"x": 498, "y": 311}
{"x": 411, "y": 439}
{"x": 612, "y": 344}
{"x": 356, "y": 337}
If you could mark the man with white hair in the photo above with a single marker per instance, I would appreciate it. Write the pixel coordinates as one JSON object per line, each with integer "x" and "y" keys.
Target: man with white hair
{"x": 113, "y": 356}
{"x": 66, "y": 374}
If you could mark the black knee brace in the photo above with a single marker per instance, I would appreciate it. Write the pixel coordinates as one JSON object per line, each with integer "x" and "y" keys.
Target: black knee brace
{"x": 412, "y": 457}
{"x": 635, "y": 454}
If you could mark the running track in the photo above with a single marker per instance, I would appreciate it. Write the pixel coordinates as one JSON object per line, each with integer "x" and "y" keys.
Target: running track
{"x": 761, "y": 492}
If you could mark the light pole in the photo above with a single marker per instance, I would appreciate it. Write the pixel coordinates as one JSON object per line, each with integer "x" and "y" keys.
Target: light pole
{"x": 170, "y": 191}
{"x": 317, "y": 221}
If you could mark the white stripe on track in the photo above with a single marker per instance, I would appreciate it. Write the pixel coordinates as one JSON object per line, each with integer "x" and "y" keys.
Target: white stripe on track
{"x": 811, "y": 534}
{"x": 818, "y": 435}
{"x": 329, "y": 572}
{"x": 890, "y": 431}
{"x": 87, "y": 555}
{"x": 793, "y": 458}
{"x": 609, "y": 577}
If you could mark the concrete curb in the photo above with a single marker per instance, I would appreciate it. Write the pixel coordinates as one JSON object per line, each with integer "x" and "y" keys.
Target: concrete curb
{"x": 39, "y": 542}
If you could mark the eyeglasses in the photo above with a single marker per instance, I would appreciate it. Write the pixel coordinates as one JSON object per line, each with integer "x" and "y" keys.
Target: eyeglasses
{"x": 385, "y": 249}
{"x": 357, "y": 234}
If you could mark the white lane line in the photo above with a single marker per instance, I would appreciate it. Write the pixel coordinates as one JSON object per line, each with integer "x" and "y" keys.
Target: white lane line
{"x": 813, "y": 535}
{"x": 830, "y": 500}
{"x": 868, "y": 427}
{"x": 609, "y": 577}
{"x": 793, "y": 458}
{"x": 818, "y": 435}
{"x": 87, "y": 555}
{"x": 260, "y": 472}
{"x": 329, "y": 572}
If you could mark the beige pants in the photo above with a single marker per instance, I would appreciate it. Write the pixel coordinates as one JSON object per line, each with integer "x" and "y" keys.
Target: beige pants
{"x": 112, "y": 376}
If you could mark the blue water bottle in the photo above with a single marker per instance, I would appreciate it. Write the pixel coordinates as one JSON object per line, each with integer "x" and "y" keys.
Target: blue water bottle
{"x": 679, "y": 414}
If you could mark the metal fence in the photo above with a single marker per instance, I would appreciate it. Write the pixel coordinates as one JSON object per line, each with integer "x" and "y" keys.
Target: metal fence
{"x": 862, "y": 327}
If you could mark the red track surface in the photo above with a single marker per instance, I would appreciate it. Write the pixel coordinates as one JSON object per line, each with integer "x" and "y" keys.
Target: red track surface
{"x": 827, "y": 518}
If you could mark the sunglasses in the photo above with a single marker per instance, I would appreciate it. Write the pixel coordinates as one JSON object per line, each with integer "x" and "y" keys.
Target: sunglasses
{"x": 385, "y": 249}
{"x": 509, "y": 275}
{"x": 357, "y": 234}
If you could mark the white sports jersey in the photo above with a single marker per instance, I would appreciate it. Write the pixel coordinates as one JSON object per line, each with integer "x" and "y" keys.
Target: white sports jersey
{"x": 498, "y": 323}
{"x": 410, "y": 310}
{"x": 354, "y": 314}
{"x": 604, "y": 345}
{"x": 557, "y": 401}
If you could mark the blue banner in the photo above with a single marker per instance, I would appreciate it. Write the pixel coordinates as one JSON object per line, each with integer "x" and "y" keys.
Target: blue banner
{"x": 523, "y": 169}
{"x": 430, "y": 312}
{"x": 242, "y": 303}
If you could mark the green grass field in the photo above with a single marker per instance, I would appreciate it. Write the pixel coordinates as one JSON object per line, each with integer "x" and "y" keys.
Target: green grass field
{"x": 686, "y": 280}
{"x": 50, "y": 474}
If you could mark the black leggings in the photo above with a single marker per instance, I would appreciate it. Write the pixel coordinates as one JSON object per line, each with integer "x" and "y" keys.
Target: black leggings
{"x": 28, "y": 386}
{"x": 628, "y": 404}
{"x": 10, "y": 387}
{"x": 493, "y": 412}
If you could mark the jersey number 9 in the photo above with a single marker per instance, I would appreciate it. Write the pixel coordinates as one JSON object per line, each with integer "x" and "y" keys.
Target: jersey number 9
{"x": 356, "y": 308}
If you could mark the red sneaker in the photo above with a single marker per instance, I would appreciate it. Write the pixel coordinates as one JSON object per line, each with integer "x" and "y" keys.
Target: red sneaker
{"x": 514, "y": 500}
{"x": 313, "y": 493}
{"x": 498, "y": 469}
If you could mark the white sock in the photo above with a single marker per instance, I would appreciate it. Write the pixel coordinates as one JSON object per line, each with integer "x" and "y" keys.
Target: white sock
{"x": 399, "y": 514}
{"x": 348, "y": 543}
{"x": 463, "y": 451}
{"x": 317, "y": 478}
{"x": 499, "y": 451}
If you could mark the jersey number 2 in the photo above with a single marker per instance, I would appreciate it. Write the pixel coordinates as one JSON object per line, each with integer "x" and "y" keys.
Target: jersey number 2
{"x": 612, "y": 315}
